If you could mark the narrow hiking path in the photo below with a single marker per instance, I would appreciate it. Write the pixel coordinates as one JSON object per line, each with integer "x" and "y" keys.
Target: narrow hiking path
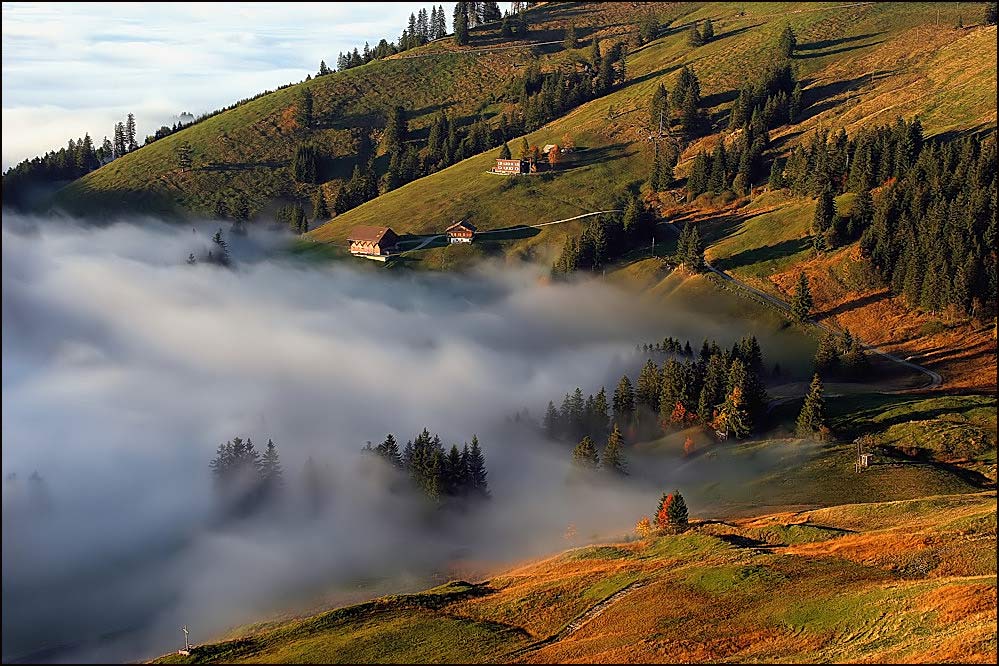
{"x": 934, "y": 377}
{"x": 935, "y": 380}
{"x": 575, "y": 624}
{"x": 427, "y": 240}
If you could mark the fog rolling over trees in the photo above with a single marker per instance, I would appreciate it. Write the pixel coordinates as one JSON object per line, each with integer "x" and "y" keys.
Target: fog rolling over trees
{"x": 125, "y": 367}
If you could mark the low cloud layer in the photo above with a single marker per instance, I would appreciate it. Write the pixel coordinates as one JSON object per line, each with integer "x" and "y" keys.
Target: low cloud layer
{"x": 124, "y": 368}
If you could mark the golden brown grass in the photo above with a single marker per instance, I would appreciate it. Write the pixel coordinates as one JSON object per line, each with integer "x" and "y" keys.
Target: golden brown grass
{"x": 879, "y": 576}
{"x": 963, "y": 352}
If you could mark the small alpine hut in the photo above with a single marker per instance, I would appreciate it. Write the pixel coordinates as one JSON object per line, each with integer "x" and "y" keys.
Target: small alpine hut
{"x": 372, "y": 242}
{"x": 512, "y": 167}
{"x": 460, "y": 232}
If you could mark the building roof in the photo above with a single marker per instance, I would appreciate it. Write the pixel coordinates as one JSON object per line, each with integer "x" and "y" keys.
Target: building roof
{"x": 369, "y": 234}
{"x": 461, "y": 225}
{"x": 549, "y": 146}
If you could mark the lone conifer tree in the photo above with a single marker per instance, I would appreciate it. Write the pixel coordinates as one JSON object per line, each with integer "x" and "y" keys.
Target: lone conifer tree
{"x": 822, "y": 220}
{"x": 475, "y": 466}
{"x": 551, "y": 421}
{"x": 504, "y": 153}
{"x": 787, "y": 43}
{"x": 776, "y": 181}
{"x": 585, "y": 455}
{"x": 389, "y": 450}
{"x": 304, "y": 110}
{"x": 130, "y": 142}
{"x": 707, "y": 32}
{"x": 694, "y": 37}
{"x": 460, "y": 29}
{"x": 801, "y": 300}
{"x": 677, "y": 512}
{"x": 624, "y": 401}
{"x": 613, "y": 458}
{"x": 690, "y": 251}
{"x": 811, "y": 420}
{"x": 270, "y": 470}
{"x": 223, "y": 257}
{"x": 595, "y": 58}
{"x": 569, "y": 40}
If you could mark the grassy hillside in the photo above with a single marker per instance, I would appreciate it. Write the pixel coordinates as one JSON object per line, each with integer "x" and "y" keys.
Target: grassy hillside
{"x": 245, "y": 152}
{"x": 839, "y": 49}
{"x": 861, "y": 65}
{"x": 848, "y": 583}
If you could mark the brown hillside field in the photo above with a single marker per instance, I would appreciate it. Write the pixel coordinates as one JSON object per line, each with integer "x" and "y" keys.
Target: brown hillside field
{"x": 962, "y": 351}
{"x": 851, "y": 583}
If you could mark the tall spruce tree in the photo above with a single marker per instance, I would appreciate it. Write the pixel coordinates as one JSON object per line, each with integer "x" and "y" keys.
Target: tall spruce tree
{"x": 624, "y": 401}
{"x": 647, "y": 388}
{"x": 120, "y": 146}
{"x": 550, "y": 422}
{"x": 270, "y": 471}
{"x": 671, "y": 514}
{"x": 598, "y": 415}
{"x": 303, "y": 114}
{"x": 613, "y": 459}
{"x": 320, "y": 211}
{"x": 130, "y": 142}
{"x": 460, "y": 29}
{"x": 827, "y": 354}
{"x": 476, "y": 469}
{"x": 708, "y": 31}
{"x": 801, "y": 300}
{"x": 787, "y": 42}
{"x": 389, "y": 451}
{"x": 584, "y": 456}
{"x": 812, "y": 419}
{"x": 677, "y": 512}
{"x": 569, "y": 37}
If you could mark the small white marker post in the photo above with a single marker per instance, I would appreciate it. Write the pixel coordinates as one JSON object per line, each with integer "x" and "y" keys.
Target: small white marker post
{"x": 187, "y": 643}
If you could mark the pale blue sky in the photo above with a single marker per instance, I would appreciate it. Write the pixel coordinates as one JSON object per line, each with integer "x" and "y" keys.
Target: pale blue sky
{"x": 70, "y": 68}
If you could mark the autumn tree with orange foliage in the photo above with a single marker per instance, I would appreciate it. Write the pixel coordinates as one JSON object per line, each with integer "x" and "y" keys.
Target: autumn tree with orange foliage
{"x": 671, "y": 516}
{"x": 643, "y": 528}
{"x": 553, "y": 157}
{"x": 732, "y": 419}
{"x": 680, "y": 415}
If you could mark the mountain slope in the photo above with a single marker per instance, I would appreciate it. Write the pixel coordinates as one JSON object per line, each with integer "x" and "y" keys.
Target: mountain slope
{"x": 245, "y": 152}
{"x": 846, "y": 583}
{"x": 861, "y": 64}
{"x": 839, "y": 48}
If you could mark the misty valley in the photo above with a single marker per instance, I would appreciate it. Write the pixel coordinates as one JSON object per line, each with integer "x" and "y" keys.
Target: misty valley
{"x": 230, "y": 456}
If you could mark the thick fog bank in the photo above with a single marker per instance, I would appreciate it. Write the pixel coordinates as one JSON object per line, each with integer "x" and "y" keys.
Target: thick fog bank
{"x": 124, "y": 367}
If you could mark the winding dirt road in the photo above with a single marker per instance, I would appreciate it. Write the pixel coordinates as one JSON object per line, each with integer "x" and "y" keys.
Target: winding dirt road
{"x": 934, "y": 378}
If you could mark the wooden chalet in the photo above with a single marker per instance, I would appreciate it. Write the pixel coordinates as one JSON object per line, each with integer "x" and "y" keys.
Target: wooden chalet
{"x": 460, "y": 232}
{"x": 512, "y": 167}
{"x": 372, "y": 241}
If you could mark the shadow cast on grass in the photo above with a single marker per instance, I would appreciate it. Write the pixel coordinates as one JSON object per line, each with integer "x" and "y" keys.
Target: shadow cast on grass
{"x": 767, "y": 253}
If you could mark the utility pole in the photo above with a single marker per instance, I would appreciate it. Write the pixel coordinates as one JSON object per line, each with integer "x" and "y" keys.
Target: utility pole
{"x": 187, "y": 643}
